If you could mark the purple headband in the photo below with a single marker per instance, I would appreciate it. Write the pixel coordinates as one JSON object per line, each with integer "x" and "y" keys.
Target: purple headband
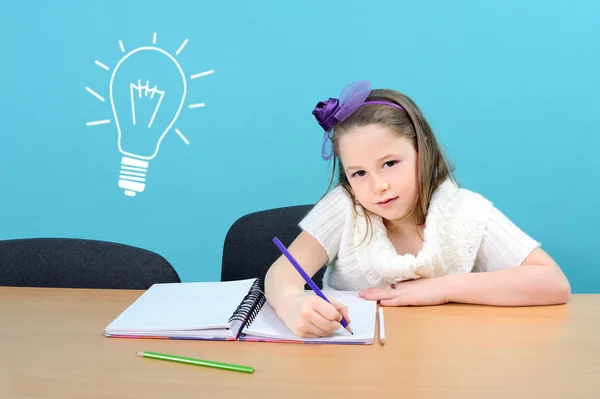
{"x": 332, "y": 111}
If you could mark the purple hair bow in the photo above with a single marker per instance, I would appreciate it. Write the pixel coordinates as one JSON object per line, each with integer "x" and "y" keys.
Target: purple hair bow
{"x": 332, "y": 111}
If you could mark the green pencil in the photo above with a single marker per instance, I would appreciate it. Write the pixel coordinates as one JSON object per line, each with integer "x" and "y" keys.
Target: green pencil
{"x": 197, "y": 362}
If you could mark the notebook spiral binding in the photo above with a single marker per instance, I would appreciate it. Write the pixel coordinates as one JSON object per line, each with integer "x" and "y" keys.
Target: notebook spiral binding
{"x": 250, "y": 305}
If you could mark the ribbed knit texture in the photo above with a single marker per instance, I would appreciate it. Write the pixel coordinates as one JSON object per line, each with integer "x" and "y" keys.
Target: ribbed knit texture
{"x": 504, "y": 245}
{"x": 464, "y": 233}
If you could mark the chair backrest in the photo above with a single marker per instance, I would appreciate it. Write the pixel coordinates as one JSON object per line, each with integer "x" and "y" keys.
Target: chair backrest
{"x": 249, "y": 251}
{"x": 80, "y": 263}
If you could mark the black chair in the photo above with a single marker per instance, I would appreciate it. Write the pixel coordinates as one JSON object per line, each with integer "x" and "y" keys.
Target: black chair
{"x": 80, "y": 263}
{"x": 249, "y": 251}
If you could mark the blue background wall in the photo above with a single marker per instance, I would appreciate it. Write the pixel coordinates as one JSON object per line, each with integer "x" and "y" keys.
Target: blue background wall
{"x": 511, "y": 90}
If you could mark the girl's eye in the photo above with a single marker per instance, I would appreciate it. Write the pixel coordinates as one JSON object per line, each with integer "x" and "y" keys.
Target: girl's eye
{"x": 359, "y": 173}
{"x": 389, "y": 164}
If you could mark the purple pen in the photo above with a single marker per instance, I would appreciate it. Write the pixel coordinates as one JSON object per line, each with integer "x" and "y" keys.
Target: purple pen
{"x": 306, "y": 278}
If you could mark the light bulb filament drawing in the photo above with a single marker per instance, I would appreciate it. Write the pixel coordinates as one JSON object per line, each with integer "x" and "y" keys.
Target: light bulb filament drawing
{"x": 147, "y": 91}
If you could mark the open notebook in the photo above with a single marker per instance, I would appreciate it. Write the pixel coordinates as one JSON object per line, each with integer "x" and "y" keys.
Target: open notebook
{"x": 228, "y": 311}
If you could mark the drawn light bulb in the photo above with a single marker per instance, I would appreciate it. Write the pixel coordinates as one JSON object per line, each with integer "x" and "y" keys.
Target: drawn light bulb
{"x": 143, "y": 114}
{"x": 147, "y": 91}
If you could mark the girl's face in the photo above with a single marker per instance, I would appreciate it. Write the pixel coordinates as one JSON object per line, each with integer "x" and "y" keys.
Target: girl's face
{"x": 381, "y": 167}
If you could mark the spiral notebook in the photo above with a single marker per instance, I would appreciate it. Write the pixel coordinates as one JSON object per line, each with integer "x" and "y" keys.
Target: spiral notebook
{"x": 232, "y": 310}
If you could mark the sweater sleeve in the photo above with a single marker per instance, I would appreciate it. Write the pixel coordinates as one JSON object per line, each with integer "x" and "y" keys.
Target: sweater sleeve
{"x": 504, "y": 245}
{"x": 326, "y": 220}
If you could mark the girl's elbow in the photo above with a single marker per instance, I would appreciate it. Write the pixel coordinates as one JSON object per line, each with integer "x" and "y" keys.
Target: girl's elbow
{"x": 562, "y": 288}
{"x": 564, "y": 292}
{"x": 551, "y": 285}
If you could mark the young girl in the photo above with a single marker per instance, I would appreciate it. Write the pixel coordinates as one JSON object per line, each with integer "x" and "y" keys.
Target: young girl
{"x": 398, "y": 228}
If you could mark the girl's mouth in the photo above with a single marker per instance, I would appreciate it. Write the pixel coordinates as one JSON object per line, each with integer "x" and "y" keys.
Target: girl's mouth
{"x": 388, "y": 202}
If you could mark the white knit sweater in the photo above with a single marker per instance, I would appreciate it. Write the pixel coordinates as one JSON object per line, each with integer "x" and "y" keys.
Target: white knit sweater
{"x": 463, "y": 233}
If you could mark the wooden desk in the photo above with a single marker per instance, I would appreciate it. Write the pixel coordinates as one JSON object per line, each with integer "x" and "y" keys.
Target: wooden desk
{"x": 52, "y": 346}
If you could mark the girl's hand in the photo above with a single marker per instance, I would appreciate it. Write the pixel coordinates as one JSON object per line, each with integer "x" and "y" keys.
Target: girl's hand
{"x": 309, "y": 316}
{"x": 422, "y": 292}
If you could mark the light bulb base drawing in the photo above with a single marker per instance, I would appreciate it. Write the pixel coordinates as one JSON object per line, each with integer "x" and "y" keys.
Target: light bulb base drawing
{"x": 133, "y": 175}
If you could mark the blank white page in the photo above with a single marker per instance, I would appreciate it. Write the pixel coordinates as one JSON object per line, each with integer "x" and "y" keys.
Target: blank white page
{"x": 181, "y": 307}
{"x": 362, "y": 316}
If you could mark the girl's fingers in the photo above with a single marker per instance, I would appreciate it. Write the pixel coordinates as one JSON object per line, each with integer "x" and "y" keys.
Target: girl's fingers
{"x": 386, "y": 293}
{"x": 325, "y": 325}
{"x": 342, "y": 309}
{"x": 401, "y": 300}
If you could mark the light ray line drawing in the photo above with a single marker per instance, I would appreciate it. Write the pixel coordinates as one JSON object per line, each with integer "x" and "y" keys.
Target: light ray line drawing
{"x": 101, "y": 65}
{"x": 185, "y": 140}
{"x": 182, "y": 46}
{"x": 198, "y": 75}
{"x": 92, "y": 92}
{"x": 102, "y": 122}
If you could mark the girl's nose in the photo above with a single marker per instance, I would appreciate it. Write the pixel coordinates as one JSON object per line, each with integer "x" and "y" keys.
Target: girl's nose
{"x": 381, "y": 186}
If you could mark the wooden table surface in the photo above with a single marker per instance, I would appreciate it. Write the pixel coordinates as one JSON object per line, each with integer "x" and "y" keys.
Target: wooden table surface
{"x": 53, "y": 346}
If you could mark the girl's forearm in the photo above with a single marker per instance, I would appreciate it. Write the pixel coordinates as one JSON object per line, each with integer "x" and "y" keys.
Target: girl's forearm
{"x": 282, "y": 282}
{"x": 518, "y": 286}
